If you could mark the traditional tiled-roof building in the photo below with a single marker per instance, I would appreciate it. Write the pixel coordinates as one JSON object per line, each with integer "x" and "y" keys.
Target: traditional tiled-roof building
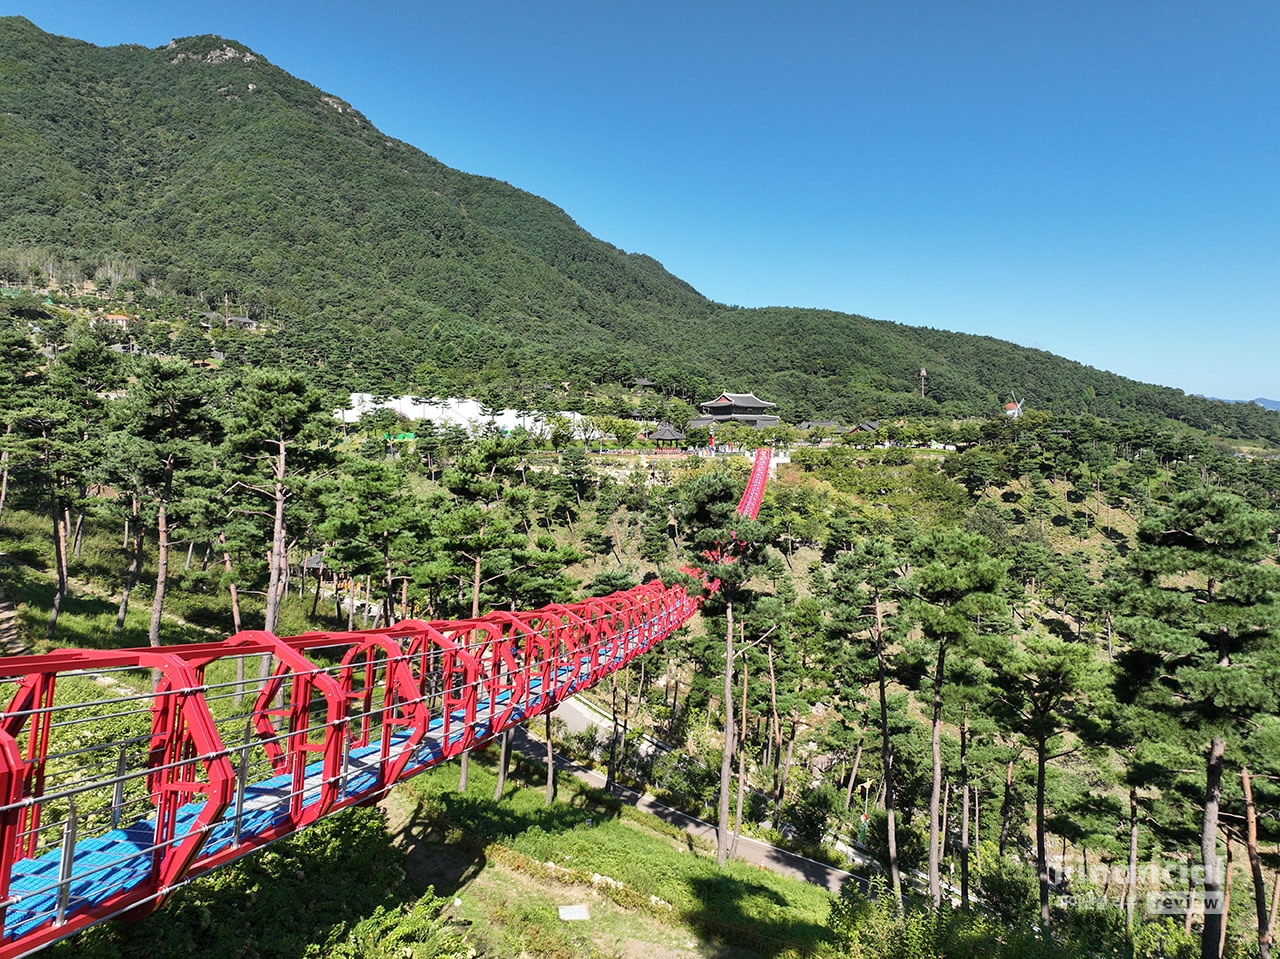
{"x": 666, "y": 435}
{"x": 745, "y": 408}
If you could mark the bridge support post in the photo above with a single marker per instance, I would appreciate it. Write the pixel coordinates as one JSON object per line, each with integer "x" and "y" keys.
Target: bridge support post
{"x": 242, "y": 781}
{"x": 117, "y": 792}
{"x": 67, "y": 864}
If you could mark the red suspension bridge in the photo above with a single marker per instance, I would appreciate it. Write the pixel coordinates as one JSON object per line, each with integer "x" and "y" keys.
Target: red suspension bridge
{"x": 111, "y": 799}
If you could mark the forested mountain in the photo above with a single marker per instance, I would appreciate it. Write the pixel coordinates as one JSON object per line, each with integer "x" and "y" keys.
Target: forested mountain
{"x": 200, "y": 174}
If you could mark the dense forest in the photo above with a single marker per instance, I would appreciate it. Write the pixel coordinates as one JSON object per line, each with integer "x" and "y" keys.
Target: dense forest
{"x": 1025, "y": 664}
{"x": 198, "y": 173}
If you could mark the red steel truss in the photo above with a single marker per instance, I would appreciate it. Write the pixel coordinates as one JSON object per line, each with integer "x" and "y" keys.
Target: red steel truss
{"x": 752, "y": 496}
{"x": 111, "y": 797}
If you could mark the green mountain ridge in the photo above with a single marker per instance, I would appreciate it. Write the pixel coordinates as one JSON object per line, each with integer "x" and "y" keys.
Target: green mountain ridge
{"x": 206, "y": 173}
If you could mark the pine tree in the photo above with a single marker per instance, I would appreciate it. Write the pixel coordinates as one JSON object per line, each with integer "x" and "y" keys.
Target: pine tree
{"x": 1041, "y": 688}
{"x": 19, "y": 374}
{"x": 1203, "y": 626}
{"x": 728, "y": 547}
{"x": 864, "y": 588}
{"x": 955, "y": 585}
{"x": 276, "y": 424}
{"x": 58, "y": 432}
{"x": 163, "y": 445}
{"x": 375, "y": 525}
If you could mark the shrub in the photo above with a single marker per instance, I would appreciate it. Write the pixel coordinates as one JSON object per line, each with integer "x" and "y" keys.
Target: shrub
{"x": 1010, "y": 889}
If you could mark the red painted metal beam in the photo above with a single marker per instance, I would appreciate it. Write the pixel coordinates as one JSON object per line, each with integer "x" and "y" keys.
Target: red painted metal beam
{"x": 111, "y": 798}
{"x": 753, "y": 495}
{"x": 88, "y": 832}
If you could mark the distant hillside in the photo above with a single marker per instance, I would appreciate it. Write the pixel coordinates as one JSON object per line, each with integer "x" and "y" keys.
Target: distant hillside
{"x": 202, "y": 172}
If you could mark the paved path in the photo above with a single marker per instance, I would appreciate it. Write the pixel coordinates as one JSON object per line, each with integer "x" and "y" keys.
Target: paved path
{"x": 578, "y": 716}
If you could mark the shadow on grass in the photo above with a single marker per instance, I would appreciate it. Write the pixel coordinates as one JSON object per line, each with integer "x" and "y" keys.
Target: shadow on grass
{"x": 23, "y": 555}
{"x": 430, "y": 859}
{"x": 1061, "y": 629}
{"x": 743, "y": 918}
{"x": 84, "y": 621}
{"x": 1119, "y": 540}
{"x": 488, "y": 821}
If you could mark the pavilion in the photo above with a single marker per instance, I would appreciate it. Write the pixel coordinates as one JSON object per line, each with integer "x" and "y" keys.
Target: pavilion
{"x": 667, "y": 435}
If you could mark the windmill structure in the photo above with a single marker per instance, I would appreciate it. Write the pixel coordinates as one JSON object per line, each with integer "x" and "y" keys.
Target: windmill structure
{"x": 1013, "y": 409}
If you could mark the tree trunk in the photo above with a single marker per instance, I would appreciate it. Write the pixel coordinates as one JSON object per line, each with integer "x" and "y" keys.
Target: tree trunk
{"x": 786, "y": 775}
{"x": 551, "y": 764}
{"x": 464, "y": 762}
{"x": 389, "y": 603}
{"x": 626, "y": 716}
{"x": 613, "y": 735}
{"x": 775, "y": 750}
{"x": 231, "y": 583}
{"x": 964, "y": 815}
{"x": 235, "y": 615}
{"x": 942, "y": 831}
{"x": 475, "y": 586}
{"x": 131, "y": 574}
{"x": 504, "y": 760}
{"x": 1042, "y": 854}
{"x": 1211, "y": 935}
{"x": 886, "y": 755}
{"x": 59, "y": 559}
{"x": 4, "y": 471}
{"x": 1275, "y": 908}
{"x": 742, "y": 758}
{"x": 675, "y": 704}
{"x": 726, "y": 759}
{"x": 77, "y": 540}
{"x": 1226, "y": 898}
{"x": 1191, "y": 890}
{"x": 315, "y": 599}
{"x": 277, "y": 557}
{"x": 977, "y": 823}
{"x": 1006, "y": 808}
{"x": 1131, "y": 895}
{"x": 935, "y": 791}
{"x": 162, "y": 572}
{"x": 853, "y": 774}
{"x": 1255, "y": 865}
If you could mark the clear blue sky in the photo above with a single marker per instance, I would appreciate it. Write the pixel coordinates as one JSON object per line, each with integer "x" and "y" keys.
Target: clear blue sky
{"x": 1098, "y": 179}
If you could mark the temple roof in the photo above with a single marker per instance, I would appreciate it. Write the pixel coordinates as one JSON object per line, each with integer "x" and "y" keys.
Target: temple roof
{"x": 740, "y": 400}
{"x": 666, "y": 433}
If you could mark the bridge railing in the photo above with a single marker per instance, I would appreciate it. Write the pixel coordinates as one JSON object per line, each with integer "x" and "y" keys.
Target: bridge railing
{"x": 126, "y": 773}
{"x": 115, "y": 789}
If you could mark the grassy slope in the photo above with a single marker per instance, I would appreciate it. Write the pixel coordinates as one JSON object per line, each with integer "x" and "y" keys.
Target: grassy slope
{"x": 488, "y": 862}
{"x": 669, "y": 890}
